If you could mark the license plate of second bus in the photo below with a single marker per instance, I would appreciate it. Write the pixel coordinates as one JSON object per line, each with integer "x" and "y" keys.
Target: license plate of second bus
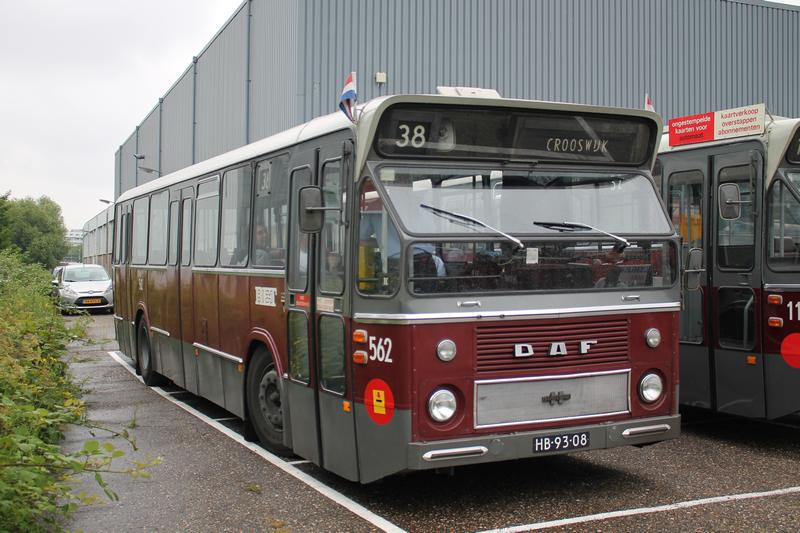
{"x": 559, "y": 443}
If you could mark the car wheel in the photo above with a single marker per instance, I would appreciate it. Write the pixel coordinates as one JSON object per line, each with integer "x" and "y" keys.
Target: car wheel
{"x": 264, "y": 401}
{"x": 144, "y": 358}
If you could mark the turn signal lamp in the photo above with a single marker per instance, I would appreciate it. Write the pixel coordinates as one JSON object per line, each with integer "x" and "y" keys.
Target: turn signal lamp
{"x": 653, "y": 337}
{"x": 360, "y": 357}
{"x": 446, "y": 350}
{"x": 775, "y": 322}
{"x": 775, "y": 299}
{"x": 751, "y": 359}
{"x": 360, "y": 335}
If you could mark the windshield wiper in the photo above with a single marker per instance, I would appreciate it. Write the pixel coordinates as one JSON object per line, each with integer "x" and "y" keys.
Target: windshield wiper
{"x": 474, "y": 221}
{"x": 572, "y": 226}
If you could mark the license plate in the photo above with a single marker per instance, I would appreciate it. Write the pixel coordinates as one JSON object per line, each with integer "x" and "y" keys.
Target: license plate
{"x": 89, "y": 301}
{"x": 560, "y": 443}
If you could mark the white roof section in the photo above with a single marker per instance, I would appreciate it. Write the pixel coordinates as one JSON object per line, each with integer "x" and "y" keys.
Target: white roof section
{"x": 368, "y": 115}
{"x": 777, "y": 135}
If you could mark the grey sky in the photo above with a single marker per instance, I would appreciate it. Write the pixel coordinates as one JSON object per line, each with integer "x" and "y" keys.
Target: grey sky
{"x": 76, "y": 77}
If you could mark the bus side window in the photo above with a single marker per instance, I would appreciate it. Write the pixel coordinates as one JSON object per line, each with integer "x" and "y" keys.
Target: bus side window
{"x": 206, "y": 224}
{"x": 158, "y": 228}
{"x": 736, "y": 238}
{"x": 271, "y": 211}
{"x": 173, "y": 233}
{"x": 235, "y": 217}
{"x": 139, "y": 238}
{"x": 783, "y": 243}
{"x": 378, "y": 245}
{"x": 186, "y": 233}
{"x": 331, "y": 262}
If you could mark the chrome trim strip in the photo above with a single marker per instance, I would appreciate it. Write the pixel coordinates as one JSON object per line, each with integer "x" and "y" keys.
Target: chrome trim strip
{"x": 548, "y": 378}
{"x": 456, "y": 453}
{"x": 266, "y": 273}
{"x": 159, "y": 330}
{"x": 779, "y": 286}
{"x": 526, "y": 313}
{"x": 552, "y": 377}
{"x": 646, "y": 430}
{"x": 118, "y": 318}
{"x": 218, "y": 353}
{"x": 149, "y": 267}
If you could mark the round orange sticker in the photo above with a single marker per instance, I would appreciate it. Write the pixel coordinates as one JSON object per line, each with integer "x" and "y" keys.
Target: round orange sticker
{"x": 379, "y": 401}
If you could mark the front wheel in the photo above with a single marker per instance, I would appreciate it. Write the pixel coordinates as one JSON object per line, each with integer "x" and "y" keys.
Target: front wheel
{"x": 264, "y": 402}
{"x": 144, "y": 358}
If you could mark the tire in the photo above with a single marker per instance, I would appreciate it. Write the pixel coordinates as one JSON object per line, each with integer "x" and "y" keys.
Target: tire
{"x": 144, "y": 358}
{"x": 264, "y": 402}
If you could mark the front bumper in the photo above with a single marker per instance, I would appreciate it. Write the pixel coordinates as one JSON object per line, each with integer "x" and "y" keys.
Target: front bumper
{"x": 492, "y": 448}
{"x": 69, "y": 302}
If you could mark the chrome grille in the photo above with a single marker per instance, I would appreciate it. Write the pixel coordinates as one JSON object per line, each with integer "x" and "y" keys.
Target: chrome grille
{"x": 503, "y": 402}
{"x": 494, "y": 347}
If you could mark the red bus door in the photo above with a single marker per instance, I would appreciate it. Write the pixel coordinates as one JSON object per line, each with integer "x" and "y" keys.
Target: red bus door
{"x": 320, "y": 412}
{"x": 736, "y": 284}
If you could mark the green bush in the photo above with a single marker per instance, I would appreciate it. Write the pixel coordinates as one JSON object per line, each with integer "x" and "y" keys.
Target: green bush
{"x": 37, "y": 399}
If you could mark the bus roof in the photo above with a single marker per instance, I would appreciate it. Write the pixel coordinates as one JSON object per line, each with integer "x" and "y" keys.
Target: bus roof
{"x": 369, "y": 114}
{"x": 777, "y": 135}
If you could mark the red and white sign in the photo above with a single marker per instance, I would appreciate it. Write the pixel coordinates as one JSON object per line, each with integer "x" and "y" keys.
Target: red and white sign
{"x": 738, "y": 122}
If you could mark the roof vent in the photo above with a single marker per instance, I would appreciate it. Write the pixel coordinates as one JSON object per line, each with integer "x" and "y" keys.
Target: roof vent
{"x": 475, "y": 92}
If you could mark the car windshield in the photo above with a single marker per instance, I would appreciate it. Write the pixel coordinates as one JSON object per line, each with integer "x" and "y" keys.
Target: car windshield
{"x": 511, "y": 200}
{"x": 86, "y": 273}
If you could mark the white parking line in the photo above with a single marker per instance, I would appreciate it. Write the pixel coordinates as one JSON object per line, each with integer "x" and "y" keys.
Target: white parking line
{"x": 643, "y": 510}
{"x": 323, "y": 489}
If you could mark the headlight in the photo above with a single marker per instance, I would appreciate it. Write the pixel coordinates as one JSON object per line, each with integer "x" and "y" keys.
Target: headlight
{"x": 442, "y": 405}
{"x": 650, "y": 387}
{"x": 109, "y": 289}
{"x": 69, "y": 290}
{"x": 446, "y": 350}
{"x": 653, "y": 337}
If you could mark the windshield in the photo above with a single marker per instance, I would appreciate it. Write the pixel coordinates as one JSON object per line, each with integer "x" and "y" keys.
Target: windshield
{"x": 87, "y": 273}
{"x": 511, "y": 200}
{"x": 475, "y": 267}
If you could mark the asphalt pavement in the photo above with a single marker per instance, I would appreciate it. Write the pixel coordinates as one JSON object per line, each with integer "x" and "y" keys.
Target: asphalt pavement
{"x": 723, "y": 474}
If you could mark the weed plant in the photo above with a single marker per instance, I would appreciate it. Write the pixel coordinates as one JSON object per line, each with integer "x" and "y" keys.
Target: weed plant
{"x": 37, "y": 400}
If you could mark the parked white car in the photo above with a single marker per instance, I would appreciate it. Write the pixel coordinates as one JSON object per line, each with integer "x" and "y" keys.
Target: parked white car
{"x": 84, "y": 286}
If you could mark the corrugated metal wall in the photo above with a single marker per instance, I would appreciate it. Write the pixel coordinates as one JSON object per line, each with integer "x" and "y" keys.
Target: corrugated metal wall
{"x": 274, "y": 100}
{"x": 276, "y": 63}
{"x": 128, "y": 164}
{"x": 148, "y": 146}
{"x": 221, "y": 90}
{"x": 177, "y": 108}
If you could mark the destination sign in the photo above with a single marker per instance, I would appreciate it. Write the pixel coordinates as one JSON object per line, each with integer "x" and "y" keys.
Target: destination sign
{"x": 793, "y": 153}
{"x": 461, "y": 132}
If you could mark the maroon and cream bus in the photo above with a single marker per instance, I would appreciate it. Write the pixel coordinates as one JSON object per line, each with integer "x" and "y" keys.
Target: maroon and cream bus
{"x": 449, "y": 281}
{"x": 731, "y": 182}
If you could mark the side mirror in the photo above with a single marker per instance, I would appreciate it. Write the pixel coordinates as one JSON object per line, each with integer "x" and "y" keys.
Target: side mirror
{"x": 730, "y": 201}
{"x": 54, "y": 283}
{"x": 310, "y": 209}
{"x": 694, "y": 268}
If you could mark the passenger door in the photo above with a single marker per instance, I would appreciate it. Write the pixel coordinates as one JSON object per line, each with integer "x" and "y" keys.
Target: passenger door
{"x": 318, "y": 389}
{"x": 736, "y": 285}
{"x": 687, "y": 196}
{"x": 186, "y": 291}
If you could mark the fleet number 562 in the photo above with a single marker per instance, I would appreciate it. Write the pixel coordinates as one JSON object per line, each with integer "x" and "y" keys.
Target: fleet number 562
{"x": 380, "y": 349}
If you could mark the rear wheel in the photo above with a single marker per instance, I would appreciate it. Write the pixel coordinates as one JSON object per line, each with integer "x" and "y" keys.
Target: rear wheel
{"x": 264, "y": 401}
{"x": 144, "y": 358}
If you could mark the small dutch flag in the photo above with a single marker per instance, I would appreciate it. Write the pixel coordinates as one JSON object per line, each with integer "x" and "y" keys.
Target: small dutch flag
{"x": 347, "y": 102}
{"x": 648, "y": 103}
